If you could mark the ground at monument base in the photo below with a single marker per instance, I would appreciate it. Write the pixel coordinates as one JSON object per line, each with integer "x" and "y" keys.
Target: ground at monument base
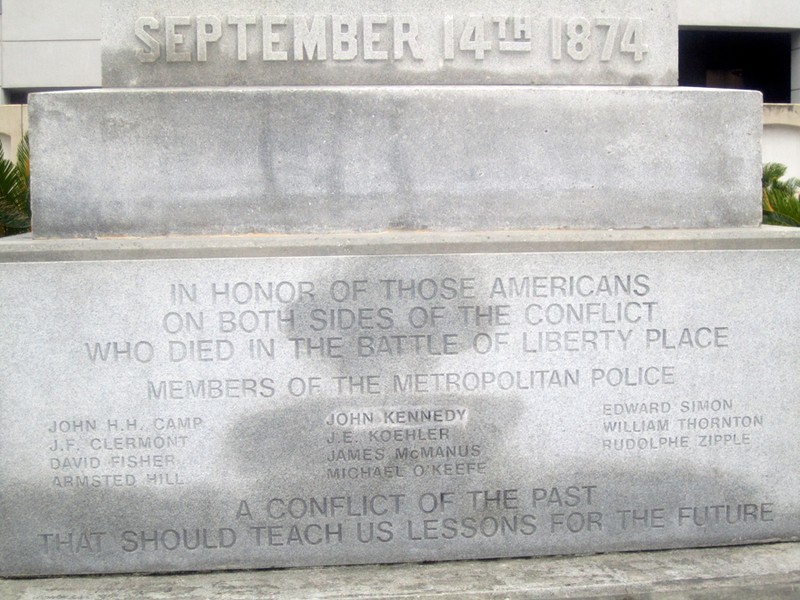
{"x": 734, "y": 573}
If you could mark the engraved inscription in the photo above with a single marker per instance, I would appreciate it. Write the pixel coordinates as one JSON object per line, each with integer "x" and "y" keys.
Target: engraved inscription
{"x": 386, "y": 37}
{"x": 261, "y": 410}
{"x": 205, "y": 43}
{"x": 684, "y": 426}
{"x": 110, "y": 452}
{"x": 299, "y": 38}
{"x": 271, "y": 323}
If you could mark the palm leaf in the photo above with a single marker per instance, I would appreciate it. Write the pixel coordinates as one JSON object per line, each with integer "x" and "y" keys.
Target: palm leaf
{"x": 780, "y": 197}
{"x": 15, "y": 200}
{"x": 772, "y": 172}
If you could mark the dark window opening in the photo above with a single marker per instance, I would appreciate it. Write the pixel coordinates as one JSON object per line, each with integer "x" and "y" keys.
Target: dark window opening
{"x": 738, "y": 59}
{"x": 17, "y": 97}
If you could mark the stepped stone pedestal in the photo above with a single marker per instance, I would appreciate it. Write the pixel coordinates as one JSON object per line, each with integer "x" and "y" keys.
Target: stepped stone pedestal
{"x": 389, "y": 321}
{"x": 411, "y": 158}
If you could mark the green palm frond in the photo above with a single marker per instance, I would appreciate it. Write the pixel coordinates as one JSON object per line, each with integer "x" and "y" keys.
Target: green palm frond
{"x": 780, "y": 197}
{"x": 15, "y": 196}
{"x": 771, "y": 173}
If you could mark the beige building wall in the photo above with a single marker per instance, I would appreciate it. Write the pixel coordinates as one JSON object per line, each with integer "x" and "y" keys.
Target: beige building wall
{"x": 13, "y": 125}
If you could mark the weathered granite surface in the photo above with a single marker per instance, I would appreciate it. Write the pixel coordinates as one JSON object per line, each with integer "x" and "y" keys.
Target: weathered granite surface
{"x": 207, "y": 413}
{"x": 362, "y": 393}
{"x": 460, "y": 158}
{"x": 156, "y": 43}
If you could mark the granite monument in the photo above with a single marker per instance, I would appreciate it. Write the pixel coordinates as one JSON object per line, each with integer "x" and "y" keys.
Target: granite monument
{"x": 355, "y": 317}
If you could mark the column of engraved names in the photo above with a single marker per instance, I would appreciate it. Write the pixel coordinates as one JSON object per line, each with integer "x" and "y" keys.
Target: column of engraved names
{"x": 111, "y": 452}
{"x": 653, "y": 412}
{"x": 402, "y": 442}
{"x": 434, "y": 317}
{"x": 637, "y": 425}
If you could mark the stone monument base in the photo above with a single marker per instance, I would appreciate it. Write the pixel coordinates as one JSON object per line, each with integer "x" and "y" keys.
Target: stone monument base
{"x": 365, "y": 159}
{"x": 225, "y": 403}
